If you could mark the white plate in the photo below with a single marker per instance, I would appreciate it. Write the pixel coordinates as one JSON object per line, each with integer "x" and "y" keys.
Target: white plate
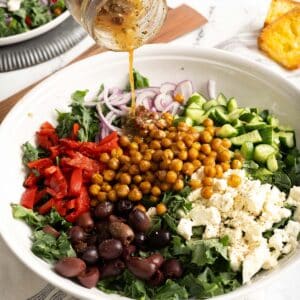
{"x": 250, "y": 83}
{"x": 17, "y": 38}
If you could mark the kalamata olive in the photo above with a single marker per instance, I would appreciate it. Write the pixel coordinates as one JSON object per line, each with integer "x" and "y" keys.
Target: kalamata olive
{"x": 50, "y": 230}
{"x": 104, "y": 209}
{"x": 128, "y": 251}
{"x": 124, "y": 206}
{"x": 102, "y": 231}
{"x": 140, "y": 267}
{"x": 113, "y": 218}
{"x": 89, "y": 277}
{"x": 112, "y": 268}
{"x": 157, "y": 279}
{"x": 122, "y": 232}
{"x": 172, "y": 268}
{"x": 92, "y": 239}
{"x": 76, "y": 234}
{"x": 140, "y": 240}
{"x": 110, "y": 249}
{"x": 85, "y": 221}
{"x": 139, "y": 220}
{"x": 156, "y": 259}
{"x": 80, "y": 246}
{"x": 159, "y": 239}
{"x": 70, "y": 266}
{"x": 90, "y": 255}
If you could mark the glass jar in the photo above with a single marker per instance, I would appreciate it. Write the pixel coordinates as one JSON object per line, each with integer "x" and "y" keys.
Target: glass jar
{"x": 119, "y": 25}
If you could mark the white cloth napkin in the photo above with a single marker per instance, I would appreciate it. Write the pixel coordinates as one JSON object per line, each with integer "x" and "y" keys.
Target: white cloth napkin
{"x": 233, "y": 26}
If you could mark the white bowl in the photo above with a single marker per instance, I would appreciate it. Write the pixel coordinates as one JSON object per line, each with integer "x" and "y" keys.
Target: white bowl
{"x": 250, "y": 83}
{"x": 17, "y": 38}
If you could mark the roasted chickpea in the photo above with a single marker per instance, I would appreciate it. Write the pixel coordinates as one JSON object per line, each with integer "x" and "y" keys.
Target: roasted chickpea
{"x": 109, "y": 175}
{"x": 172, "y": 128}
{"x": 236, "y": 164}
{"x": 155, "y": 144}
{"x": 176, "y": 165}
{"x": 97, "y": 178}
{"x": 137, "y": 179}
{"x": 196, "y": 163}
{"x": 188, "y": 140}
{"x": 213, "y": 154}
{"x": 140, "y": 207}
{"x": 180, "y": 145}
{"x": 159, "y": 134}
{"x": 102, "y": 196}
{"x": 136, "y": 157}
{"x": 196, "y": 145}
{"x": 188, "y": 168}
{"x": 211, "y": 130}
{"x": 161, "y": 175}
{"x": 205, "y": 149}
{"x": 210, "y": 171}
{"x": 143, "y": 147}
{"x": 166, "y": 142}
{"x": 155, "y": 191}
{"x": 112, "y": 196}
{"x": 148, "y": 154}
{"x": 164, "y": 186}
{"x": 209, "y": 161}
{"x": 178, "y": 185}
{"x": 219, "y": 171}
{"x": 135, "y": 195}
{"x": 193, "y": 153}
{"x": 182, "y": 155}
{"x": 207, "y": 192}
{"x": 124, "y": 159}
{"x": 94, "y": 189}
{"x": 125, "y": 178}
{"x": 161, "y": 209}
{"x": 171, "y": 177}
{"x": 104, "y": 157}
{"x": 225, "y": 166}
{"x": 226, "y": 143}
{"x": 124, "y": 141}
{"x": 171, "y": 136}
{"x": 224, "y": 156}
{"x": 154, "y": 166}
{"x": 164, "y": 165}
{"x": 153, "y": 199}
{"x": 205, "y": 136}
{"x": 195, "y": 184}
{"x": 238, "y": 156}
{"x": 106, "y": 187}
{"x": 157, "y": 155}
{"x": 234, "y": 180}
{"x": 208, "y": 122}
{"x": 168, "y": 154}
{"x": 182, "y": 126}
{"x": 113, "y": 163}
{"x": 216, "y": 143}
{"x": 137, "y": 139}
{"x": 201, "y": 156}
{"x": 144, "y": 165}
{"x": 133, "y": 170}
{"x": 116, "y": 152}
{"x": 149, "y": 176}
{"x": 145, "y": 187}
{"x": 134, "y": 146}
{"x": 168, "y": 117}
{"x": 207, "y": 181}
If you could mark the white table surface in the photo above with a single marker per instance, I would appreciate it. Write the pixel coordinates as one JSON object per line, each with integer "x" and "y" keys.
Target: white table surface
{"x": 232, "y": 26}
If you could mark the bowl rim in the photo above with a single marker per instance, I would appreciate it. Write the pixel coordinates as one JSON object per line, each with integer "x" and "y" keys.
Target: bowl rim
{"x": 152, "y": 51}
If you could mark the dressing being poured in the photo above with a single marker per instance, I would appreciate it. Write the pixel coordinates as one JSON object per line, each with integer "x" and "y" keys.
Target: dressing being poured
{"x": 120, "y": 18}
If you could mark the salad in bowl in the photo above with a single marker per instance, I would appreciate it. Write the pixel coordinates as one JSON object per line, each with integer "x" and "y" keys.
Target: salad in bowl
{"x": 191, "y": 198}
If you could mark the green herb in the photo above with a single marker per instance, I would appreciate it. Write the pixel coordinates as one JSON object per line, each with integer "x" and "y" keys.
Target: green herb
{"x": 171, "y": 291}
{"x": 85, "y": 116}
{"x": 139, "y": 81}
{"x": 30, "y": 153}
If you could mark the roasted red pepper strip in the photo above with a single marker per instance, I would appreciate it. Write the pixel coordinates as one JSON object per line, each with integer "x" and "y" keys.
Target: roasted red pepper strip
{"x": 47, "y": 136}
{"x": 75, "y": 182}
{"x": 75, "y": 130}
{"x": 31, "y": 180}
{"x": 82, "y": 162}
{"x": 82, "y": 206}
{"x": 46, "y": 207}
{"x": 70, "y": 144}
{"x": 40, "y": 164}
{"x": 110, "y": 137}
{"x": 58, "y": 183}
{"x": 28, "y": 197}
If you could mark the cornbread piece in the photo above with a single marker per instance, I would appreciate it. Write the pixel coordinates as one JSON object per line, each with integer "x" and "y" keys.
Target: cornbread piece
{"x": 278, "y": 8}
{"x": 281, "y": 40}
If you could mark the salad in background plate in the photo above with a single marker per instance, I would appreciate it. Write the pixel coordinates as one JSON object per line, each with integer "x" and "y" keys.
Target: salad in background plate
{"x": 191, "y": 198}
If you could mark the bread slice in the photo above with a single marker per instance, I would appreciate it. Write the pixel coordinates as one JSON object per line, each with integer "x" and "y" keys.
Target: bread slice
{"x": 281, "y": 40}
{"x": 278, "y": 8}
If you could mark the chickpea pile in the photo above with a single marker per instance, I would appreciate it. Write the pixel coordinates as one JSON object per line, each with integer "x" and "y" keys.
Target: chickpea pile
{"x": 159, "y": 161}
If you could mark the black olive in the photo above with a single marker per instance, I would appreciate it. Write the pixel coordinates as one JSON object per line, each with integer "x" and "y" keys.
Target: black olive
{"x": 172, "y": 268}
{"x": 85, "y": 221}
{"x": 110, "y": 249}
{"x": 139, "y": 220}
{"x": 159, "y": 239}
{"x": 90, "y": 255}
{"x": 140, "y": 240}
{"x": 124, "y": 206}
{"x": 112, "y": 268}
{"x": 77, "y": 234}
{"x": 104, "y": 210}
{"x": 102, "y": 229}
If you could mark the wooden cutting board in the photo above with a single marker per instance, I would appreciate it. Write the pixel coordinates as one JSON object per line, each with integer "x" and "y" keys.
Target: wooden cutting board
{"x": 180, "y": 21}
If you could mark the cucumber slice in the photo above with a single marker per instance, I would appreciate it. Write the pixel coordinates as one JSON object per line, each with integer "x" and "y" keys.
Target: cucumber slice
{"x": 256, "y": 125}
{"x": 199, "y": 128}
{"x": 220, "y": 117}
{"x": 235, "y": 114}
{"x": 252, "y": 136}
{"x": 186, "y": 120}
{"x": 262, "y": 152}
{"x": 274, "y": 122}
{"x": 196, "y": 98}
{"x": 285, "y": 128}
{"x": 211, "y": 103}
{"x": 241, "y": 130}
{"x": 247, "y": 117}
{"x": 194, "y": 105}
{"x": 232, "y": 105}
{"x": 237, "y": 123}
{"x": 287, "y": 139}
{"x": 267, "y": 135}
{"x": 221, "y": 99}
{"x": 264, "y": 114}
{"x": 254, "y": 110}
{"x": 227, "y": 131}
{"x": 272, "y": 163}
{"x": 247, "y": 150}
{"x": 194, "y": 114}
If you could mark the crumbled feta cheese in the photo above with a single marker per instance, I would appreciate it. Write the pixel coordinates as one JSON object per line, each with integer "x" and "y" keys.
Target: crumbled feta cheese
{"x": 205, "y": 216}
{"x": 151, "y": 212}
{"x": 278, "y": 239}
{"x": 14, "y": 5}
{"x": 211, "y": 231}
{"x": 294, "y": 196}
{"x": 184, "y": 228}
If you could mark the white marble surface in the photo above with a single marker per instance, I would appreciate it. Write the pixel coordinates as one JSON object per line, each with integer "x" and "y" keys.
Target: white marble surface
{"x": 232, "y": 26}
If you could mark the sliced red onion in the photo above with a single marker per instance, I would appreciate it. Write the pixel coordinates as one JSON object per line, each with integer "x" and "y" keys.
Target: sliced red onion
{"x": 151, "y": 89}
{"x": 147, "y": 103}
{"x": 115, "y": 91}
{"x": 185, "y": 89}
{"x": 175, "y": 108}
{"x": 145, "y": 95}
{"x": 120, "y": 99}
{"x": 124, "y": 108}
{"x": 104, "y": 120}
{"x": 111, "y": 108}
{"x": 167, "y": 88}
{"x": 161, "y": 101}
{"x": 211, "y": 89}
